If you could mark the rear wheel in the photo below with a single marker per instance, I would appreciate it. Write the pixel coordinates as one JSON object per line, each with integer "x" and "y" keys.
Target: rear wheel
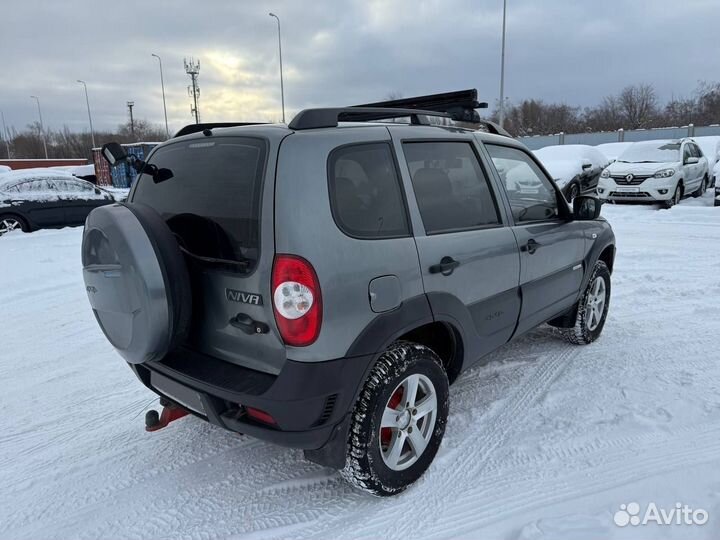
{"x": 9, "y": 223}
{"x": 399, "y": 420}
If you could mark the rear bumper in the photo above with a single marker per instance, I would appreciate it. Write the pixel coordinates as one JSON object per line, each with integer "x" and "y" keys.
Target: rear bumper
{"x": 308, "y": 401}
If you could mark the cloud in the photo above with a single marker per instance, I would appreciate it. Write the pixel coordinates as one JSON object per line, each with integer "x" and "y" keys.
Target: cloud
{"x": 338, "y": 52}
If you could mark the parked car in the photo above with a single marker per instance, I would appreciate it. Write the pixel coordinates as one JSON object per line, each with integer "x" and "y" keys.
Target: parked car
{"x": 33, "y": 199}
{"x": 710, "y": 146}
{"x": 716, "y": 175}
{"x": 575, "y": 168}
{"x": 612, "y": 150}
{"x": 656, "y": 171}
{"x": 319, "y": 285}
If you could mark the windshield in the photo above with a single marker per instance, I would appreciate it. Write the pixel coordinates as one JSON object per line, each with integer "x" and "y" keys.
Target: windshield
{"x": 651, "y": 153}
{"x": 212, "y": 200}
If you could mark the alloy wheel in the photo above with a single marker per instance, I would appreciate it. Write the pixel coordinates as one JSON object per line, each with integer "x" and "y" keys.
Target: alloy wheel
{"x": 408, "y": 422}
{"x": 595, "y": 304}
{"x": 9, "y": 224}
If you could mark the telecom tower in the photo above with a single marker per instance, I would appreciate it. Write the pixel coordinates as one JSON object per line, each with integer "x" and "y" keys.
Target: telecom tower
{"x": 130, "y": 105}
{"x": 192, "y": 68}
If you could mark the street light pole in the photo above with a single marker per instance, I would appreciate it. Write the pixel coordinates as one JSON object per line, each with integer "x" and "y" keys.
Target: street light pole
{"x": 282, "y": 88}
{"x": 42, "y": 128}
{"x": 5, "y": 134}
{"x": 502, "y": 69}
{"x": 162, "y": 86}
{"x": 87, "y": 101}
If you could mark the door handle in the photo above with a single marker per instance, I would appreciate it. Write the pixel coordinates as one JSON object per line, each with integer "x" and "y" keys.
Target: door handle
{"x": 248, "y": 325}
{"x": 531, "y": 246}
{"x": 445, "y": 266}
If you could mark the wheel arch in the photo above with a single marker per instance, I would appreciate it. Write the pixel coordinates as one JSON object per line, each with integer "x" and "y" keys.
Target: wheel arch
{"x": 18, "y": 215}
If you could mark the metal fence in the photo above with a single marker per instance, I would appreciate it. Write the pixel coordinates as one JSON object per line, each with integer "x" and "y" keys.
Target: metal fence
{"x": 631, "y": 135}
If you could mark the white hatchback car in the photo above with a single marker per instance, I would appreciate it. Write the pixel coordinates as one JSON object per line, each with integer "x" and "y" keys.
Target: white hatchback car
{"x": 663, "y": 171}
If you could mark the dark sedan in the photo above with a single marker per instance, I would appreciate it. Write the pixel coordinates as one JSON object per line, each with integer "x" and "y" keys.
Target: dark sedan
{"x": 42, "y": 200}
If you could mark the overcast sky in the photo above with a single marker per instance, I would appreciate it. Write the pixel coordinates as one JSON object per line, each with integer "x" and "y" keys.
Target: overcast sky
{"x": 339, "y": 52}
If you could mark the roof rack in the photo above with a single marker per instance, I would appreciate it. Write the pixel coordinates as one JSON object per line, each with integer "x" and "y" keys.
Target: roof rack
{"x": 195, "y": 128}
{"x": 458, "y": 106}
{"x": 329, "y": 117}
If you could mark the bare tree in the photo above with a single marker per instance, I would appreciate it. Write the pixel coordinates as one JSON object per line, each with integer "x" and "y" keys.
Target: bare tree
{"x": 638, "y": 105}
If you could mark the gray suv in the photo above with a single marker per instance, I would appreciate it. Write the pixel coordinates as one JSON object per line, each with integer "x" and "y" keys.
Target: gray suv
{"x": 320, "y": 285}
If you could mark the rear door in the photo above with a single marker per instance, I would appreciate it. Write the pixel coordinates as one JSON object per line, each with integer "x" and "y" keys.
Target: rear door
{"x": 551, "y": 247}
{"x": 218, "y": 202}
{"x": 468, "y": 254}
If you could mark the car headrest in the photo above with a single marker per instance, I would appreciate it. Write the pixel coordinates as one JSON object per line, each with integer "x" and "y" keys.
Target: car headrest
{"x": 432, "y": 183}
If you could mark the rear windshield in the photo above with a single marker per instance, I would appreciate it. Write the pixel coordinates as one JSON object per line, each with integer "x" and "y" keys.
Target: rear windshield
{"x": 212, "y": 200}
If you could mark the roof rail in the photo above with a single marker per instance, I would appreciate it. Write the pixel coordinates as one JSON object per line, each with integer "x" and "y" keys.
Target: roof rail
{"x": 195, "y": 128}
{"x": 329, "y": 117}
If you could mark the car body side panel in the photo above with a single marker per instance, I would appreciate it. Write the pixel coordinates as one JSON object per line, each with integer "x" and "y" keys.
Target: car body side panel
{"x": 345, "y": 266}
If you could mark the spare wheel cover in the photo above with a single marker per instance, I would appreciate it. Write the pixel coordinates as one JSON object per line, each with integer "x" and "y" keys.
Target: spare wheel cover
{"x": 136, "y": 280}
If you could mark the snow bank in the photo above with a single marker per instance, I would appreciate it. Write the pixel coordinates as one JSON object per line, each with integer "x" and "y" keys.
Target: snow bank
{"x": 4, "y": 169}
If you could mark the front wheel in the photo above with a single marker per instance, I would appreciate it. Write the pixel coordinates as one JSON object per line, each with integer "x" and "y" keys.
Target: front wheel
{"x": 399, "y": 420}
{"x": 592, "y": 309}
{"x": 573, "y": 192}
{"x": 677, "y": 196}
{"x": 702, "y": 188}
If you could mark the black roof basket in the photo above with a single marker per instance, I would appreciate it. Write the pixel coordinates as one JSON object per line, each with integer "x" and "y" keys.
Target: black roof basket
{"x": 458, "y": 106}
{"x": 195, "y": 128}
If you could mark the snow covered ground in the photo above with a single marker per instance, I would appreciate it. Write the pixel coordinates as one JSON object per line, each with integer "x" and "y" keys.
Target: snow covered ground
{"x": 544, "y": 442}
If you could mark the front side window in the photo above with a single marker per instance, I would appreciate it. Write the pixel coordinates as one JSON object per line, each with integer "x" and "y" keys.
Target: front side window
{"x": 365, "y": 194}
{"x": 687, "y": 152}
{"x": 209, "y": 195}
{"x": 532, "y": 196}
{"x": 451, "y": 188}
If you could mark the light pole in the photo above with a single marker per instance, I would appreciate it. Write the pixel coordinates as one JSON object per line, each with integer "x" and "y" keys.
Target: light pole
{"x": 87, "y": 101}
{"x": 162, "y": 86}
{"x": 5, "y": 134}
{"x": 502, "y": 69}
{"x": 282, "y": 89}
{"x": 42, "y": 128}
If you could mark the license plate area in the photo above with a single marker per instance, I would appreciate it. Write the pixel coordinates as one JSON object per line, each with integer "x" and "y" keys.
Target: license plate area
{"x": 627, "y": 189}
{"x": 183, "y": 395}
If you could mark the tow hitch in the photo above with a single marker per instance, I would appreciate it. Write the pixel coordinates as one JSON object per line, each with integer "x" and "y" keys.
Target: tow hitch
{"x": 170, "y": 413}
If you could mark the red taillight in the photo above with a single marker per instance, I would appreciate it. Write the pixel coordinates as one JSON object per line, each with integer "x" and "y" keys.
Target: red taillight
{"x": 297, "y": 302}
{"x": 259, "y": 415}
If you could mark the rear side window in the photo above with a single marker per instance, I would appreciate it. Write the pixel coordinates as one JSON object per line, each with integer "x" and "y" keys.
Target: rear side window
{"x": 451, "y": 188}
{"x": 365, "y": 193}
{"x": 212, "y": 200}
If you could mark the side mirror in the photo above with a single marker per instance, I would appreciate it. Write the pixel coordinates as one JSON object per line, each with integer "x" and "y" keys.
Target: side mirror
{"x": 586, "y": 208}
{"x": 692, "y": 160}
{"x": 586, "y": 165}
{"x": 113, "y": 153}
